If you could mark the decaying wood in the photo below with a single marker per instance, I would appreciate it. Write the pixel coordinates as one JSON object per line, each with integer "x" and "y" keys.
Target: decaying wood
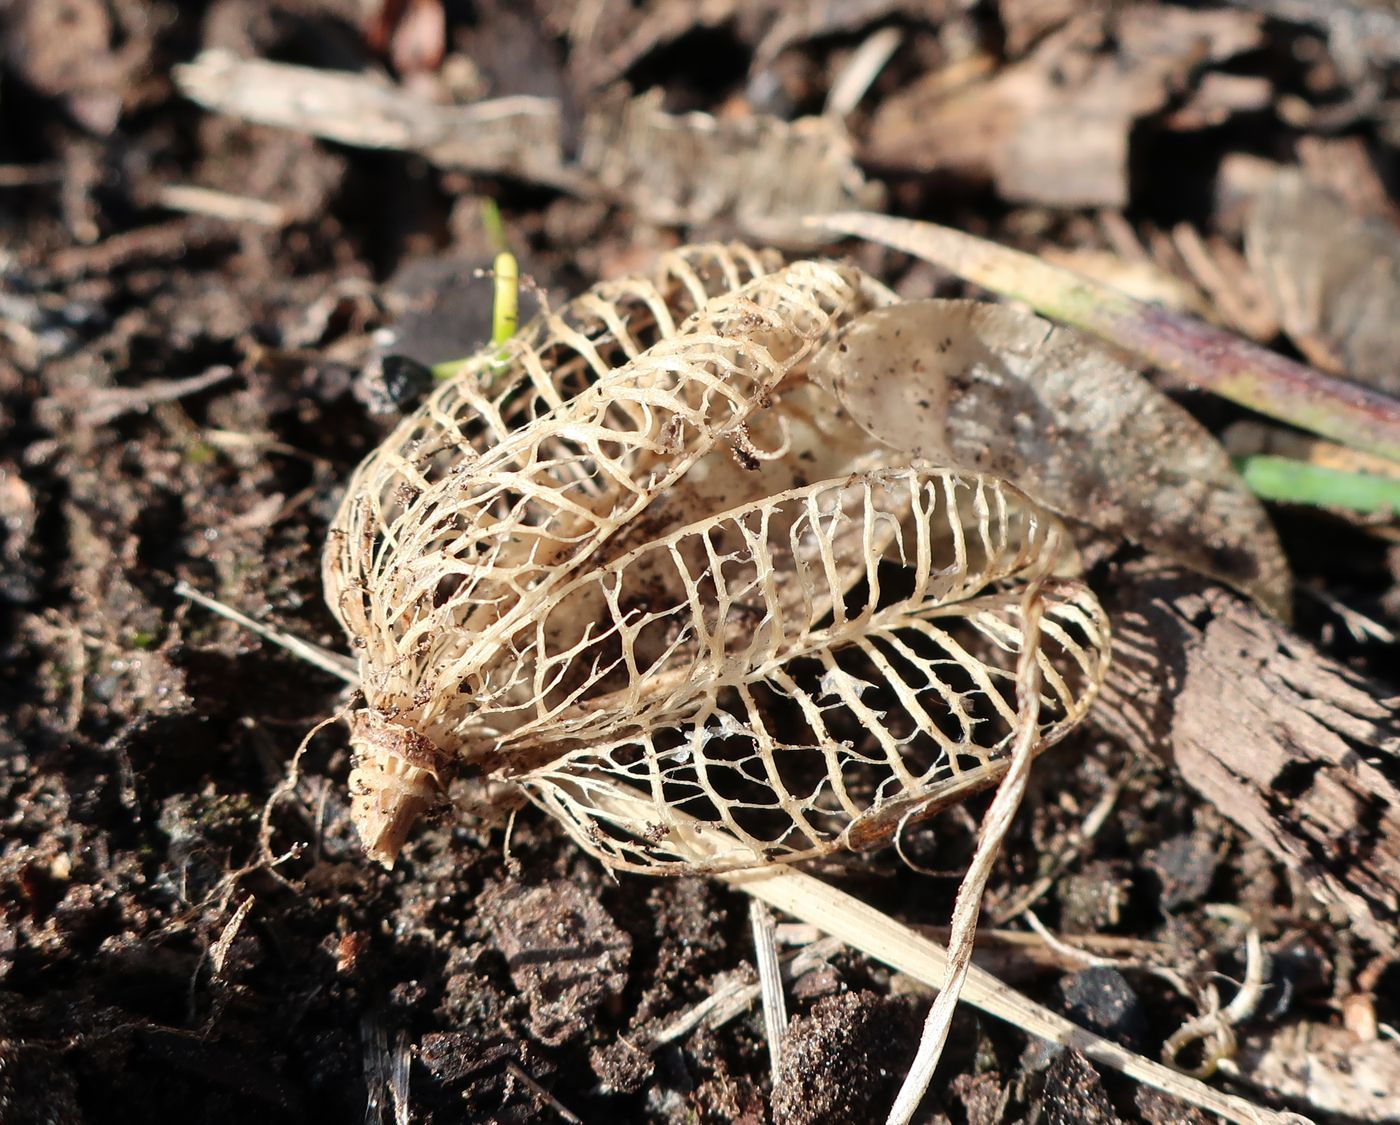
{"x": 1301, "y": 753}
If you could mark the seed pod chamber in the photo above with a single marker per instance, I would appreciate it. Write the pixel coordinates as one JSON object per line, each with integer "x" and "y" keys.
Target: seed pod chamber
{"x": 646, "y": 573}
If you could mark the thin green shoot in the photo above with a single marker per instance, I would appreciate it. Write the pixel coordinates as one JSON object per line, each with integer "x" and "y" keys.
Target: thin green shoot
{"x": 505, "y": 309}
{"x": 493, "y": 225}
{"x": 1298, "y": 482}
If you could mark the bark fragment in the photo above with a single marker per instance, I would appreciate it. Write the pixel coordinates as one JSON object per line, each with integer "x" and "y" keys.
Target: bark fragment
{"x": 1297, "y": 750}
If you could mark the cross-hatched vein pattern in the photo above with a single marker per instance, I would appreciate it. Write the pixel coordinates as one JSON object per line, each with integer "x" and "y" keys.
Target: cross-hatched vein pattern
{"x": 642, "y": 553}
{"x": 498, "y": 391}
{"x": 777, "y": 706}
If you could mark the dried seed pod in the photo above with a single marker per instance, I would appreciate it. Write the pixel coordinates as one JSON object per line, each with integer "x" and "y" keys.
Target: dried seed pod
{"x": 645, "y": 552}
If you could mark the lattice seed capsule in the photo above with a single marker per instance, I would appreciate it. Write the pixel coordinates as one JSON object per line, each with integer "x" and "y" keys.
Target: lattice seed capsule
{"x": 641, "y": 571}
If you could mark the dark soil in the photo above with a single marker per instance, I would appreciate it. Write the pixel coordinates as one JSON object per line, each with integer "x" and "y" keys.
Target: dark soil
{"x": 152, "y": 966}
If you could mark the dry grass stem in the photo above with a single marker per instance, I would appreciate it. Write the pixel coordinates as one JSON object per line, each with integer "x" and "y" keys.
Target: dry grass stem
{"x": 968, "y": 905}
{"x": 770, "y": 980}
{"x": 333, "y": 663}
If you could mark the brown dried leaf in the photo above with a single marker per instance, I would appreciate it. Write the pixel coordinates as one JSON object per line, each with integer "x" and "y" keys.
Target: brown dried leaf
{"x": 1333, "y": 276}
{"x": 764, "y": 172}
{"x": 760, "y": 173}
{"x": 1090, "y": 80}
{"x": 998, "y": 390}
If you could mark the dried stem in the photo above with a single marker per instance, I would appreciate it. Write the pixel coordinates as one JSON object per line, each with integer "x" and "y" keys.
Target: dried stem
{"x": 994, "y": 829}
{"x": 765, "y": 949}
{"x": 329, "y": 662}
{"x": 887, "y": 940}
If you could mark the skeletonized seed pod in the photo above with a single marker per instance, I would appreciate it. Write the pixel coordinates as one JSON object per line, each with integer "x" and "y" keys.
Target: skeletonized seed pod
{"x": 641, "y": 553}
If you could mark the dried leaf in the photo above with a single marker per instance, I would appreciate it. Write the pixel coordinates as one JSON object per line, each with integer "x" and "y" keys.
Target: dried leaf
{"x": 1092, "y": 79}
{"x": 694, "y": 168}
{"x": 1334, "y": 278}
{"x": 760, "y": 173}
{"x": 1328, "y": 1068}
{"x": 994, "y": 389}
{"x": 518, "y": 136}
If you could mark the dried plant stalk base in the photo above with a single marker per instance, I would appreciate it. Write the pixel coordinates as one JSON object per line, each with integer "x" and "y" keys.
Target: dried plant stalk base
{"x": 643, "y": 553}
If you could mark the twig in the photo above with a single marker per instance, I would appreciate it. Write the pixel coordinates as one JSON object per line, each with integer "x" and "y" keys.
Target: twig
{"x": 313, "y": 654}
{"x": 1206, "y": 356}
{"x": 218, "y": 953}
{"x": 1079, "y": 958}
{"x": 861, "y": 70}
{"x": 1029, "y": 951}
{"x": 994, "y": 829}
{"x": 110, "y": 403}
{"x": 1360, "y": 627}
{"x": 883, "y": 938}
{"x": 195, "y": 200}
{"x": 893, "y": 943}
{"x": 730, "y": 999}
{"x": 542, "y": 1094}
{"x": 770, "y": 981}
{"x": 1080, "y": 838}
